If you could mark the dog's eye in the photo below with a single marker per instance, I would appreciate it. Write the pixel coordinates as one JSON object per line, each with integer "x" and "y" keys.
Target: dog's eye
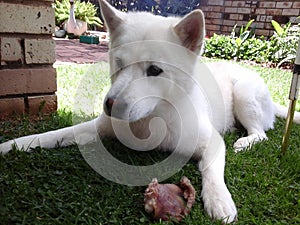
{"x": 153, "y": 71}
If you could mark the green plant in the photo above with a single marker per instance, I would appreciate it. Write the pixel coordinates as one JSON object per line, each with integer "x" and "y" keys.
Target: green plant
{"x": 84, "y": 11}
{"x": 285, "y": 42}
{"x": 226, "y": 47}
{"x": 220, "y": 46}
{"x": 281, "y": 31}
{"x": 244, "y": 35}
{"x": 255, "y": 49}
{"x": 280, "y": 48}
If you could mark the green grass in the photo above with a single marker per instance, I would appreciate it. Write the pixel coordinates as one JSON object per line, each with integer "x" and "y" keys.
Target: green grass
{"x": 81, "y": 86}
{"x": 58, "y": 187}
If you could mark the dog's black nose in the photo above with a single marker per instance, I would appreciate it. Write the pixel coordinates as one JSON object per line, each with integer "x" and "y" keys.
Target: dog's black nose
{"x": 108, "y": 105}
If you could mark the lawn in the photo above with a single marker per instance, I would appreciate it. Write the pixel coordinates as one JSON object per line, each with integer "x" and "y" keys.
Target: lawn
{"x": 58, "y": 187}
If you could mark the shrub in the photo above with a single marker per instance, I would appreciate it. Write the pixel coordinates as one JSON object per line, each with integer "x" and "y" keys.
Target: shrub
{"x": 225, "y": 47}
{"x": 84, "y": 11}
{"x": 281, "y": 47}
{"x": 285, "y": 42}
{"x": 220, "y": 46}
{"x": 255, "y": 49}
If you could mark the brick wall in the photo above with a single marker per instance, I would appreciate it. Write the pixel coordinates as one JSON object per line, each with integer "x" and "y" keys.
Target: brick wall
{"x": 222, "y": 15}
{"x": 27, "y": 53}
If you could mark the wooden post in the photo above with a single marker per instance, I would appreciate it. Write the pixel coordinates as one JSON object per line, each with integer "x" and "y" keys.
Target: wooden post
{"x": 293, "y": 96}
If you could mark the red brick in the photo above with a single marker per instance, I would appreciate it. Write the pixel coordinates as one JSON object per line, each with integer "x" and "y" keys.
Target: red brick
{"x": 267, "y": 4}
{"x": 238, "y": 3}
{"x": 290, "y": 12}
{"x": 259, "y": 25}
{"x": 211, "y": 8}
{"x": 234, "y": 16}
{"x": 27, "y": 81}
{"x": 269, "y": 26}
{"x": 244, "y": 10}
{"x": 228, "y": 3}
{"x": 11, "y": 50}
{"x": 262, "y": 32}
{"x": 42, "y": 104}
{"x": 261, "y": 18}
{"x": 214, "y": 21}
{"x": 273, "y": 11}
{"x": 296, "y": 5}
{"x": 214, "y": 15}
{"x": 11, "y": 106}
{"x": 24, "y": 18}
{"x": 241, "y": 23}
{"x": 229, "y": 22}
{"x": 260, "y": 11}
{"x": 224, "y": 29}
{"x": 269, "y": 18}
{"x": 231, "y": 10}
{"x": 213, "y": 27}
{"x": 285, "y": 5}
{"x": 39, "y": 51}
{"x": 217, "y": 21}
{"x": 216, "y": 2}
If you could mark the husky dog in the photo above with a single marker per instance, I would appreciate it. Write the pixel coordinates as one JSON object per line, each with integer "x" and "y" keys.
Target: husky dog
{"x": 162, "y": 97}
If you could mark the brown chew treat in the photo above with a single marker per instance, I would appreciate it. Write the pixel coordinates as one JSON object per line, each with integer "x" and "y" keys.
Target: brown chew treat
{"x": 169, "y": 201}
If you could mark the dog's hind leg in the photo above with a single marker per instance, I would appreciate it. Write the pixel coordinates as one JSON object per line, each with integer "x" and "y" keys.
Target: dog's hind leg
{"x": 254, "y": 109}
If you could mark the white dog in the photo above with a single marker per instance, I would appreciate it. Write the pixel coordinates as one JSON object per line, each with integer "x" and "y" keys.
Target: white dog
{"x": 163, "y": 97}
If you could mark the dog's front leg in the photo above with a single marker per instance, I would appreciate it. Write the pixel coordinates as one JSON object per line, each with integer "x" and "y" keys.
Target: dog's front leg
{"x": 80, "y": 134}
{"x": 216, "y": 197}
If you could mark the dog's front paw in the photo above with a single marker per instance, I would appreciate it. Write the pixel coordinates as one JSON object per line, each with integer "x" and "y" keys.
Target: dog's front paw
{"x": 241, "y": 144}
{"x": 219, "y": 205}
{"x": 6, "y": 147}
{"x": 247, "y": 142}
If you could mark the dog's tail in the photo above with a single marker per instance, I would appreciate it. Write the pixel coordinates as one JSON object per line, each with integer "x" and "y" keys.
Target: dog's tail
{"x": 282, "y": 111}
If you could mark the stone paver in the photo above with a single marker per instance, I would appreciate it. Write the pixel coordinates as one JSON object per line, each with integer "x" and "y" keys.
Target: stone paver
{"x": 72, "y": 51}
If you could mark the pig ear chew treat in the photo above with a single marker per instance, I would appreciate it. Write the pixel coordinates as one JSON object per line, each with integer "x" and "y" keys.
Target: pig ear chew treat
{"x": 169, "y": 201}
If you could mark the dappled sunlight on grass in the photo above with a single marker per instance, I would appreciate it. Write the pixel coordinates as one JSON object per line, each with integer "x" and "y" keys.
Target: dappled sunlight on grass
{"x": 82, "y": 87}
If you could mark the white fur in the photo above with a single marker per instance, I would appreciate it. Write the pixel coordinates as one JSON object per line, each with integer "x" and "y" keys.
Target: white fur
{"x": 197, "y": 102}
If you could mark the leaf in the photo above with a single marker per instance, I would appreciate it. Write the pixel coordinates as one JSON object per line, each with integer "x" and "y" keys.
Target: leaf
{"x": 287, "y": 59}
{"x": 238, "y": 41}
{"x": 244, "y": 36}
{"x": 249, "y": 24}
{"x": 242, "y": 30}
{"x": 287, "y": 27}
{"x": 233, "y": 31}
{"x": 278, "y": 29}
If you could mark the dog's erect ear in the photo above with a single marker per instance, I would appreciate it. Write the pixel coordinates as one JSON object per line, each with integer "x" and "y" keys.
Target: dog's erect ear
{"x": 112, "y": 17}
{"x": 191, "y": 30}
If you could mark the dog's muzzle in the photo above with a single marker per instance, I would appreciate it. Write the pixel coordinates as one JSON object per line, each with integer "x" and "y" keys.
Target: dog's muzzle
{"x": 108, "y": 105}
{"x": 114, "y": 107}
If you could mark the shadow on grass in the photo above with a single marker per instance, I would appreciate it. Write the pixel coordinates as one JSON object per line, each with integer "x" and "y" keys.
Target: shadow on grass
{"x": 58, "y": 187}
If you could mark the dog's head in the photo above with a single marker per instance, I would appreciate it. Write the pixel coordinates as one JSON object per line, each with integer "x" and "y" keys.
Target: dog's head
{"x": 152, "y": 59}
